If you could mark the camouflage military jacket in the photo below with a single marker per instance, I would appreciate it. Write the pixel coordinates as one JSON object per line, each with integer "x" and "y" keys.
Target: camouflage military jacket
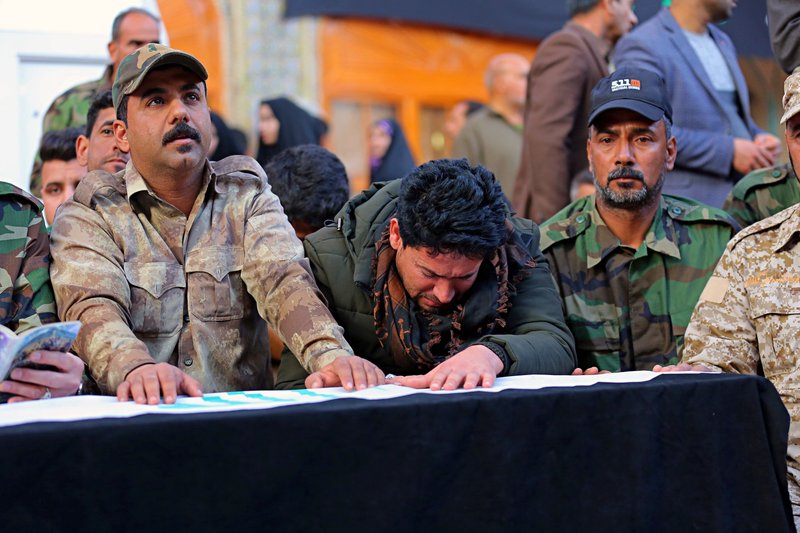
{"x": 150, "y": 284}
{"x": 627, "y": 308}
{"x": 26, "y": 297}
{"x": 71, "y": 106}
{"x": 763, "y": 193}
{"x": 67, "y": 110}
{"x": 748, "y": 317}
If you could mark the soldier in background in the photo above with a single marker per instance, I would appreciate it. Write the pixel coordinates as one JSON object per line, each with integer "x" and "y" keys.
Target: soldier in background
{"x": 630, "y": 263}
{"x": 767, "y": 191}
{"x": 26, "y": 298}
{"x": 130, "y": 30}
{"x": 97, "y": 148}
{"x": 61, "y": 170}
{"x": 175, "y": 266}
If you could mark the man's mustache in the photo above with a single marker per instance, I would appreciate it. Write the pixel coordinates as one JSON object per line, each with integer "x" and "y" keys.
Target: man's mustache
{"x": 181, "y": 131}
{"x": 625, "y": 172}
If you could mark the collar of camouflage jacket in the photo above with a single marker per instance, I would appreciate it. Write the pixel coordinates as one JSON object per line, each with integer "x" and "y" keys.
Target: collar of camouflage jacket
{"x": 600, "y": 241}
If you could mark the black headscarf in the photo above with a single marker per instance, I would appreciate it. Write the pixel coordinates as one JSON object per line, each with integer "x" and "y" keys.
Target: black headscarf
{"x": 297, "y": 127}
{"x": 397, "y": 161}
{"x": 229, "y": 142}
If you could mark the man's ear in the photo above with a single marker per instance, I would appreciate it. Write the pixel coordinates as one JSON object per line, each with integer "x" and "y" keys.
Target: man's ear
{"x": 112, "y": 50}
{"x": 589, "y": 154}
{"x": 672, "y": 152}
{"x": 395, "y": 240}
{"x": 82, "y": 150}
{"x": 121, "y": 135}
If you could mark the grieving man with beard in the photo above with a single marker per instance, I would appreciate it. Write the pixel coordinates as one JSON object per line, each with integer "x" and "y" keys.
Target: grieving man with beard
{"x": 629, "y": 262}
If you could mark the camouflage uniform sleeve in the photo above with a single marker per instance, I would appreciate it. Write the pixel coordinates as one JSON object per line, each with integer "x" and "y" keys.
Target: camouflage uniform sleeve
{"x": 279, "y": 279}
{"x": 90, "y": 286}
{"x": 720, "y": 334}
{"x": 740, "y": 210}
{"x": 29, "y": 302}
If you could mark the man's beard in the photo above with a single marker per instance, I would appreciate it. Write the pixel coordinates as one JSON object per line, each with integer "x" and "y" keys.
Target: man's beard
{"x": 628, "y": 198}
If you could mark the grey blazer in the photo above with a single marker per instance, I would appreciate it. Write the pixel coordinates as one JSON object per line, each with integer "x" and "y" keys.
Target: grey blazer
{"x": 703, "y": 169}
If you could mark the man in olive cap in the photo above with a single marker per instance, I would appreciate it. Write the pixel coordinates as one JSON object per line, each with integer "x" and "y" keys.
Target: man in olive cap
{"x": 174, "y": 266}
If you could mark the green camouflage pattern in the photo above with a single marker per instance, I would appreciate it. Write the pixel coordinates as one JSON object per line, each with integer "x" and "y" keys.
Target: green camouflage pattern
{"x": 26, "y": 297}
{"x": 747, "y": 320}
{"x": 763, "y": 193}
{"x": 628, "y": 309}
{"x": 150, "y": 284}
{"x": 134, "y": 68}
{"x": 67, "y": 110}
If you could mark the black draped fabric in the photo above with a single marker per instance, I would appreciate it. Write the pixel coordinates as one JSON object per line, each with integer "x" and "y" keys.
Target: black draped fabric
{"x": 525, "y": 19}
{"x": 677, "y": 453}
{"x": 397, "y": 161}
{"x": 297, "y": 126}
{"x": 229, "y": 142}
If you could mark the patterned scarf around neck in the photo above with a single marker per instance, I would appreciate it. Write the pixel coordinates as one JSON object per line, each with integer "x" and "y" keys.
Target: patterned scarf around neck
{"x": 419, "y": 340}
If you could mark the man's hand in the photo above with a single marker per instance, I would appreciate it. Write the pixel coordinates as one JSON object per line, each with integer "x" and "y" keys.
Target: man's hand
{"x": 147, "y": 383}
{"x": 32, "y": 384}
{"x": 682, "y": 367}
{"x": 749, "y": 156}
{"x": 350, "y": 371}
{"x": 591, "y": 371}
{"x": 770, "y": 143}
{"x": 474, "y": 366}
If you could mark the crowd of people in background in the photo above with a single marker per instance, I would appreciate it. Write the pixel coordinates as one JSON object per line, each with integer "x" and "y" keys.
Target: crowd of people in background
{"x": 590, "y": 221}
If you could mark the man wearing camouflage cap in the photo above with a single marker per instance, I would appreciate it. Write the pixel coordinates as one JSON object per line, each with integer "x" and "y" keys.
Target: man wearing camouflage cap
{"x": 747, "y": 320}
{"x": 174, "y": 266}
{"x": 131, "y": 29}
{"x": 767, "y": 191}
{"x": 630, "y": 262}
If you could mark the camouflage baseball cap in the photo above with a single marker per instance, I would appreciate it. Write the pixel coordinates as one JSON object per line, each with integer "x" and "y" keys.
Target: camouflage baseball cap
{"x": 791, "y": 95}
{"x": 134, "y": 68}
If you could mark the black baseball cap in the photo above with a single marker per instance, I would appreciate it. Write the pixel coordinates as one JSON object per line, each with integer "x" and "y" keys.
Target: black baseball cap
{"x": 636, "y": 89}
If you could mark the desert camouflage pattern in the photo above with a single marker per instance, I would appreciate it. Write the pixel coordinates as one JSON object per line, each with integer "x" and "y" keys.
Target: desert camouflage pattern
{"x": 67, "y": 110}
{"x": 763, "y": 193}
{"x": 150, "y": 284}
{"x": 628, "y": 309}
{"x": 748, "y": 317}
{"x": 26, "y": 297}
{"x": 791, "y": 95}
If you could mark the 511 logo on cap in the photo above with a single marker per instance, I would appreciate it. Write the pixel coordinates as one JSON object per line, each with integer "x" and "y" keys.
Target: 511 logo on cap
{"x": 625, "y": 84}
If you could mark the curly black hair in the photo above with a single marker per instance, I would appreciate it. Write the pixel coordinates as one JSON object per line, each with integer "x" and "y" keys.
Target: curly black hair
{"x": 447, "y": 206}
{"x": 311, "y": 183}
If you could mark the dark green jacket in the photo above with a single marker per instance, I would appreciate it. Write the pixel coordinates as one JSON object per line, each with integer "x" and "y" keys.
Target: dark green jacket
{"x": 535, "y": 337}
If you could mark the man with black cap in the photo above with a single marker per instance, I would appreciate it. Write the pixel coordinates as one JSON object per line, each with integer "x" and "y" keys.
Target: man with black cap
{"x": 630, "y": 263}
{"x": 174, "y": 266}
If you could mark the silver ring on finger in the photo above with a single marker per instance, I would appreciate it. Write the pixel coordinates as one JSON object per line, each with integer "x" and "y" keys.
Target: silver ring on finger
{"x": 47, "y": 394}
